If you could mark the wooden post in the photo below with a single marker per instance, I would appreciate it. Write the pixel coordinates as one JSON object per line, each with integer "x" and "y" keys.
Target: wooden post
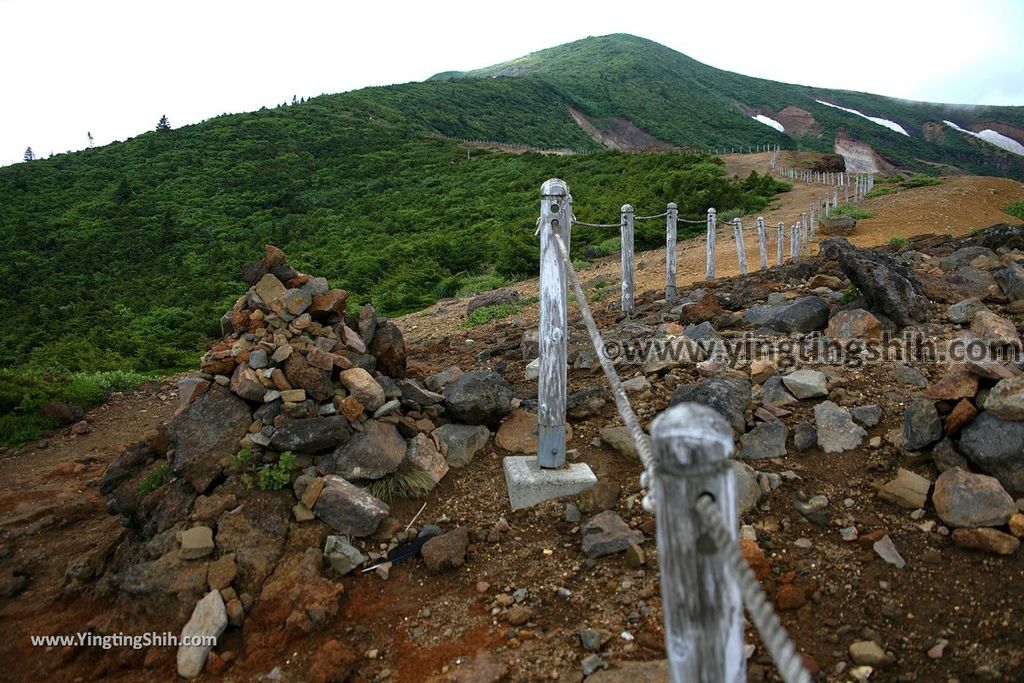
{"x": 835, "y": 197}
{"x": 700, "y": 596}
{"x": 803, "y": 229}
{"x": 762, "y": 247}
{"x": 709, "y": 268}
{"x": 779, "y": 240}
{"x": 741, "y": 252}
{"x": 626, "y": 260}
{"x": 846, "y": 194}
{"x": 794, "y": 240}
{"x": 670, "y": 252}
{"x": 810, "y": 229}
{"x": 553, "y": 338}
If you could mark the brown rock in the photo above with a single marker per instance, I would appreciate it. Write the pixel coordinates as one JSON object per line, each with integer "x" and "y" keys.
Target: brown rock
{"x": 222, "y": 572}
{"x": 302, "y": 375}
{"x": 755, "y": 557}
{"x": 270, "y": 290}
{"x": 790, "y": 597}
{"x": 957, "y": 383}
{"x": 854, "y": 324}
{"x": 518, "y": 433}
{"x": 279, "y": 381}
{"x": 424, "y": 454}
{"x": 990, "y": 369}
{"x": 447, "y": 551}
{"x": 986, "y": 540}
{"x": 363, "y": 387}
{"x": 960, "y": 417}
{"x": 312, "y": 492}
{"x": 330, "y": 304}
{"x": 704, "y": 309}
{"x": 218, "y": 362}
{"x": 321, "y": 360}
{"x": 994, "y": 329}
{"x": 388, "y": 347}
{"x": 1016, "y": 524}
{"x": 245, "y": 384}
{"x": 517, "y": 615}
{"x": 351, "y": 408}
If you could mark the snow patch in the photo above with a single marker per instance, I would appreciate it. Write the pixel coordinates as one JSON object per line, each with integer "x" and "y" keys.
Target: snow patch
{"x": 885, "y": 123}
{"x": 992, "y": 137}
{"x": 768, "y": 121}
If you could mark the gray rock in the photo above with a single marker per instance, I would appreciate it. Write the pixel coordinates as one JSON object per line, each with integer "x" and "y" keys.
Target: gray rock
{"x": 498, "y": 296}
{"x": 1011, "y": 281}
{"x": 413, "y": 391}
{"x": 838, "y": 225}
{"x": 945, "y": 456}
{"x": 388, "y": 408}
{"x": 424, "y": 454}
{"x": 806, "y": 384}
{"x": 532, "y": 371}
{"x": 572, "y": 513}
{"x": 619, "y": 439}
{"x": 479, "y": 398}
{"x": 805, "y": 436}
{"x": 367, "y": 323}
{"x": 205, "y": 434}
{"x": 585, "y": 403}
{"x": 728, "y": 395}
{"x": 774, "y": 393}
{"x": 908, "y": 490}
{"x": 976, "y": 256}
{"x": 765, "y": 440}
{"x": 341, "y": 555}
{"x": 258, "y": 359}
{"x": 963, "y": 312}
{"x": 869, "y": 416}
{"x": 748, "y": 491}
{"x": 463, "y": 442}
{"x": 372, "y": 454}
{"x": 837, "y": 431}
{"x": 965, "y": 499}
{"x": 209, "y": 619}
{"x": 348, "y": 509}
{"x": 868, "y": 653}
{"x": 606, "y": 534}
{"x": 1006, "y": 399}
{"x": 591, "y": 639}
{"x": 886, "y": 550}
{"x": 244, "y": 383}
{"x": 921, "y": 424}
{"x": 806, "y": 314}
{"x": 909, "y": 376}
{"x": 311, "y": 434}
{"x": 702, "y": 332}
{"x": 439, "y": 380}
{"x": 888, "y": 287}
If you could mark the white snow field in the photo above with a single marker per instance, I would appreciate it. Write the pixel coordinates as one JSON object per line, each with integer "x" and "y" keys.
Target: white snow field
{"x": 992, "y": 137}
{"x": 885, "y": 123}
{"x": 769, "y": 121}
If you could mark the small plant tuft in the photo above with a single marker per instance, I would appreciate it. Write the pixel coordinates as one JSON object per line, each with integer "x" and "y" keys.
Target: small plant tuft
{"x": 155, "y": 479}
{"x": 486, "y": 314}
{"x": 899, "y": 241}
{"x": 408, "y": 481}
{"x": 850, "y": 295}
{"x": 921, "y": 180}
{"x": 276, "y": 476}
{"x": 851, "y": 210}
{"x": 1016, "y": 210}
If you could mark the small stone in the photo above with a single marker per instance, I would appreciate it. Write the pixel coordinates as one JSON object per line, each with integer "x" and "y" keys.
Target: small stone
{"x": 921, "y": 424}
{"x": 447, "y": 551}
{"x": 986, "y": 540}
{"x": 936, "y": 651}
{"x": 957, "y": 383}
{"x": 908, "y": 490}
{"x": 855, "y": 323}
{"x": 996, "y": 330}
{"x": 196, "y": 543}
{"x": 848, "y": 533}
{"x": 869, "y": 416}
{"x": 635, "y": 556}
{"x": 341, "y": 555}
{"x": 962, "y": 414}
{"x": 208, "y": 621}
{"x": 81, "y": 427}
{"x": 302, "y": 513}
{"x": 765, "y": 440}
{"x": 805, "y": 436}
{"x": 572, "y": 513}
{"x": 293, "y": 395}
{"x": 790, "y": 597}
{"x": 517, "y": 615}
{"x": 806, "y": 384}
{"x": 1006, "y": 399}
{"x": 482, "y": 587}
{"x": 836, "y": 430}
{"x": 886, "y": 549}
{"x": 235, "y": 612}
{"x": 606, "y": 534}
{"x": 592, "y": 663}
{"x": 868, "y": 653}
{"x": 966, "y": 499}
{"x": 1016, "y": 525}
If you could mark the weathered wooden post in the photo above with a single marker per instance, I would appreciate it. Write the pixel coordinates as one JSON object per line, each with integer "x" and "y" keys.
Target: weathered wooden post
{"x": 779, "y": 240}
{"x": 700, "y": 596}
{"x": 762, "y": 246}
{"x": 835, "y": 197}
{"x": 810, "y": 229}
{"x": 709, "y": 268}
{"x": 794, "y": 240}
{"x": 671, "y": 219}
{"x": 553, "y": 338}
{"x": 626, "y": 261}
{"x": 741, "y": 251}
{"x": 803, "y": 229}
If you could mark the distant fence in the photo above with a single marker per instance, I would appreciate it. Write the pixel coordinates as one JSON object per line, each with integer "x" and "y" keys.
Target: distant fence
{"x": 519, "y": 148}
{"x": 688, "y": 477}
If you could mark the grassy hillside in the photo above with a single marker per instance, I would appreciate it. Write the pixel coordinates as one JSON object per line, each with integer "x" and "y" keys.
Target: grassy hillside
{"x": 685, "y": 102}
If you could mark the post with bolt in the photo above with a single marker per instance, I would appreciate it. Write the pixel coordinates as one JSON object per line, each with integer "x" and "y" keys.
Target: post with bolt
{"x": 626, "y": 259}
{"x": 712, "y": 231}
{"x": 553, "y": 340}
{"x": 671, "y": 219}
{"x": 700, "y": 596}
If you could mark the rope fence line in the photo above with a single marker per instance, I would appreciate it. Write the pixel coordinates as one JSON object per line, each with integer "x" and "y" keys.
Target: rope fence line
{"x": 686, "y": 463}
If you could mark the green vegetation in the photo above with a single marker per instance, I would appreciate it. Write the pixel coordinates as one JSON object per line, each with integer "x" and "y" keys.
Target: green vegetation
{"x": 850, "y": 295}
{"x": 486, "y": 314}
{"x": 275, "y": 476}
{"x": 921, "y": 180}
{"x": 851, "y": 210}
{"x": 899, "y": 241}
{"x": 1016, "y": 209}
{"x": 880, "y": 191}
{"x": 408, "y": 481}
{"x": 155, "y": 479}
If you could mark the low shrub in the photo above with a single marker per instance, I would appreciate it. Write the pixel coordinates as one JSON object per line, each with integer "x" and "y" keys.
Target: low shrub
{"x": 851, "y": 210}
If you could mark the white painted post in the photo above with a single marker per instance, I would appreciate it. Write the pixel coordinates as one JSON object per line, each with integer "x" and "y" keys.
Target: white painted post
{"x": 803, "y": 230}
{"x": 779, "y": 240}
{"x": 709, "y": 268}
{"x": 700, "y": 596}
{"x": 846, "y": 194}
{"x": 762, "y": 247}
{"x": 553, "y": 338}
{"x": 794, "y": 240}
{"x": 741, "y": 252}
{"x": 670, "y": 252}
{"x": 828, "y": 208}
{"x": 810, "y": 230}
{"x": 835, "y": 197}
{"x": 626, "y": 261}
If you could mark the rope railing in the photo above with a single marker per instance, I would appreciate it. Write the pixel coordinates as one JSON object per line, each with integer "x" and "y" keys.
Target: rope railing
{"x": 704, "y": 578}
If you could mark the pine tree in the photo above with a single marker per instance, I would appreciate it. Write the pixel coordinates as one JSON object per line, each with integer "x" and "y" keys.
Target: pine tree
{"x": 163, "y": 124}
{"x": 29, "y": 154}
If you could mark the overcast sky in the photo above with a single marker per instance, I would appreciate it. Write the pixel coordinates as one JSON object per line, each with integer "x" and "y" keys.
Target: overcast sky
{"x": 113, "y": 67}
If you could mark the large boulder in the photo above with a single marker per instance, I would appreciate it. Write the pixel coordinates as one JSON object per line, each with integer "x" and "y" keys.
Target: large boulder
{"x": 462, "y": 442}
{"x": 348, "y": 509}
{"x": 302, "y": 375}
{"x": 311, "y": 434}
{"x": 209, "y": 619}
{"x": 205, "y": 433}
{"x": 479, "y": 398}
{"x": 888, "y": 287}
{"x": 388, "y": 347}
{"x": 965, "y": 499}
{"x": 806, "y": 314}
{"x": 1011, "y": 281}
{"x": 996, "y": 446}
{"x": 376, "y": 452}
{"x": 728, "y": 395}
{"x": 838, "y": 225}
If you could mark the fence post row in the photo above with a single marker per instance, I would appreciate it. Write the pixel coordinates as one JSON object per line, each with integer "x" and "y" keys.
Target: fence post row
{"x": 671, "y": 218}
{"x": 626, "y": 260}
{"x": 553, "y": 341}
{"x": 741, "y": 252}
{"x": 712, "y": 230}
{"x": 700, "y": 596}
{"x": 762, "y": 246}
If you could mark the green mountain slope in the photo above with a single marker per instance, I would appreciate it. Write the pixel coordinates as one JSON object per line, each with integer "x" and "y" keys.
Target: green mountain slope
{"x": 687, "y": 103}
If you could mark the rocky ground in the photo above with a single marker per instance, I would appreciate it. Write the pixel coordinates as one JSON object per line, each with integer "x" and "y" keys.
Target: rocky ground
{"x": 877, "y": 498}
